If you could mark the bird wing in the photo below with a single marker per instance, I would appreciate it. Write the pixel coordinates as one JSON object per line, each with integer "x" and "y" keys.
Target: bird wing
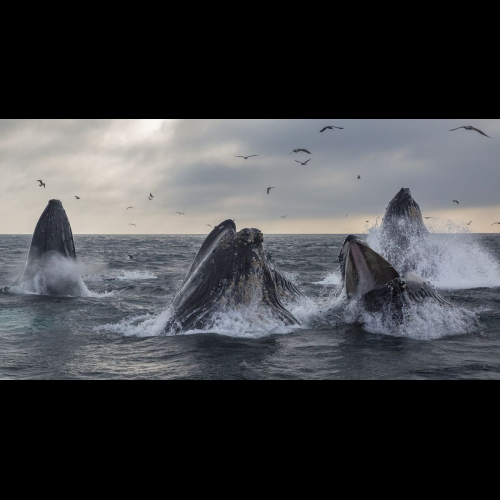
{"x": 305, "y": 151}
{"x": 307, "y": 161}
{"x": 453, "y": 129}
{"x": 324, "y": 129}
{"x": 252, "y": 156}
{"x": 480, "y": 131}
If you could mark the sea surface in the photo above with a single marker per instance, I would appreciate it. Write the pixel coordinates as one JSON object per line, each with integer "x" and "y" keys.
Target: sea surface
{"x": 117, "y": 330}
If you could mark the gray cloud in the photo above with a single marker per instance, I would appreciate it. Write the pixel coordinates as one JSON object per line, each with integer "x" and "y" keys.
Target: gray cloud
{"x": 189, "y": 165}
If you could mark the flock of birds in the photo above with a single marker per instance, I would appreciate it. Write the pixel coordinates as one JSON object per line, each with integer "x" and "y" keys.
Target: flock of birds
{"x": 303, "y": 150}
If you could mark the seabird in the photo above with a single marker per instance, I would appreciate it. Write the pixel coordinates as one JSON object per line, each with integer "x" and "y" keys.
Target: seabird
{"x": 41, "y": 183}
{"x": 331, "y": 127}
{"x": 495, "y": 223}
{"x": 269, "y": 189}
{"x": 359, "y": 177}
{"x": 469, "y": 127}
{"x": 77, "y": 197}
{"x": 246, "y": 157}
{"x": 299, "y": 150}
{"x": 304, "y": 163}
{"x": 455, "y": 201}
{"x": 469, "y": 223}
{"x": 180, "y": 213}
{"x": 129, "y": 208}
{"x": 284, "y": 216}
{"x": 210, "y": 226}
{"x": 132, "y": 225}
{"x": 429, "y": 218}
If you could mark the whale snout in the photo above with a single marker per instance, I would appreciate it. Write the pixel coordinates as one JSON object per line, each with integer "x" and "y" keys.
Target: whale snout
{"x": 250, "y": 237}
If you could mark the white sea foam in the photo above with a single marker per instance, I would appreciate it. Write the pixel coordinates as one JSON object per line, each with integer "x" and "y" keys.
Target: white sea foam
{"x": 426, "y": 321}
{"x": 121, "y": 276}
{"x": 332, "y": 279}
{"x": 451, "y": 257}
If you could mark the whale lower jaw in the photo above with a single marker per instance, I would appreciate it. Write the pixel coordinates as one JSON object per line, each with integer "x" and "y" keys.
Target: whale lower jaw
{"x": 210, "y": 318}
{"x": 246, "y": 297}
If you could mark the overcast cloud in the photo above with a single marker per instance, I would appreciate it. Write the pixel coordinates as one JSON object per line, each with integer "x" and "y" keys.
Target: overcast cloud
{"x": 189, "y": 166}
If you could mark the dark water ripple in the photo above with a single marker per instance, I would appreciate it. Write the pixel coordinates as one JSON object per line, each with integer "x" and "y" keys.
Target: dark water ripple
{"x": 61, "y": 338}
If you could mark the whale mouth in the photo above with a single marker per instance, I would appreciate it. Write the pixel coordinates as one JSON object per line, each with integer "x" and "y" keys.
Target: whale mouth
{"x": 363, "y": 269}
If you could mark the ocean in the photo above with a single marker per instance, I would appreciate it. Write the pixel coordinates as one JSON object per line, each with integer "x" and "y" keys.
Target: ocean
{"x": 116, "y": 330}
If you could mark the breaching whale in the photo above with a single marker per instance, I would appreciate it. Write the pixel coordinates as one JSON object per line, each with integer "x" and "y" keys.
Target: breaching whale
{"x": 231, "y": 272}
{"x": 402, "y": 231}
{"x": 51, "y": 267}
{"x": 367, "y": 276}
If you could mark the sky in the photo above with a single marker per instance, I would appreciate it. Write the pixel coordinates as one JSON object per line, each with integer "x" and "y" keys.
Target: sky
{"x": 189, "y": 166}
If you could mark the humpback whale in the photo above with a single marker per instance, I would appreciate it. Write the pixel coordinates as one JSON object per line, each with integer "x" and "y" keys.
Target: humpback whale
{"x": 51, "y": 267}
{"x": 231, "y": 272}
{"x": 367, "y": 276}
{"x": 402, "y": 230}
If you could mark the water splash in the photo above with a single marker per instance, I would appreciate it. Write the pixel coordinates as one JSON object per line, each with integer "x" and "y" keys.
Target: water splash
{"x": 245, "y": 322}
{"x": 427, "y": 321}
{"x": 54, "y": 275}
{"x": 451, "y": 257}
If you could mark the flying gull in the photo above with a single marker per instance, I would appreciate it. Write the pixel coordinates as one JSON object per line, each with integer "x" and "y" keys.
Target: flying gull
{"x": 41, "y": 183}
{"x": 304, "y": 163}
{"x": 269, "y": 189}
{"x": 301, "y": 150}
{"x": 246, "y": 157}
{"x": 331, "y": 127}
{"x": 455, "y": 201}
{"x": 469, "y": 127}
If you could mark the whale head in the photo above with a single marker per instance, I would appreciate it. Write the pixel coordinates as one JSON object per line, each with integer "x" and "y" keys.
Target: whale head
{"x": 230, "y": 272}
{"x": 363, "y": 269}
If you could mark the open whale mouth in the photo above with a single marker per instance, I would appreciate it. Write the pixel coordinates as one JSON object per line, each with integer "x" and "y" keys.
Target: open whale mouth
{"x": 363, "y": 269}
